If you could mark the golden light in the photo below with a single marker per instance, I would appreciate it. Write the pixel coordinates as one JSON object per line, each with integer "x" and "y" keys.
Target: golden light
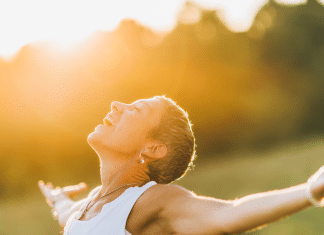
{"x": 290, "y": 2}
{"x": 69, "y": 21}
{"x": 237, "y": 15}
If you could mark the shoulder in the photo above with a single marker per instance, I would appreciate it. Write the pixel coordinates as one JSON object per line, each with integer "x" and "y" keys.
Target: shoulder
{"x": 153, "y": 202}
{"x": 167, "y": 192}
{"x": 160, "y": 196}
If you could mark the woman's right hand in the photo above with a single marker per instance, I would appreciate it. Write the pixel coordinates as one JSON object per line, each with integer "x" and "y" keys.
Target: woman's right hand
{"x": 54, "y": 195}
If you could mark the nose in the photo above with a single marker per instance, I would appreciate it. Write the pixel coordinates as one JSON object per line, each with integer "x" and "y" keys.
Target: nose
{"x": 117, "y": 106}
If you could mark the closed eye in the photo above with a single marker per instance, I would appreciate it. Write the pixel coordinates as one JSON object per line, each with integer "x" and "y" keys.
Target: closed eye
{"x": 137, "y": 109}
{"x": 114, "y": 108}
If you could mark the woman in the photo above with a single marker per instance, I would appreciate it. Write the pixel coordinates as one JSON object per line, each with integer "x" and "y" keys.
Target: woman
{"x": 143, "y": 147}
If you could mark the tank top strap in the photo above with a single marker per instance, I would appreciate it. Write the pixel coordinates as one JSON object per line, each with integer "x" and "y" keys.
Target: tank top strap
{"x": 118, "y": 210}
{"x": 126, "y": 201}
{"x": 113, "y": 216}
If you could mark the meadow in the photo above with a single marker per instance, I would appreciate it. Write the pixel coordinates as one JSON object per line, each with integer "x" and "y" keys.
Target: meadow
{"x": 226, "y": 177}
{"x": 249, "y": 90}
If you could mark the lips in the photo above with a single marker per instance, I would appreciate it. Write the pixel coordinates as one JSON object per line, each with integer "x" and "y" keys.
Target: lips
{"x": 108, "y": 121}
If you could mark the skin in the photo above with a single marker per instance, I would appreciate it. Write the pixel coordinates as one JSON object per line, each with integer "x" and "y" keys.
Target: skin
{"x": 168, "y": 209}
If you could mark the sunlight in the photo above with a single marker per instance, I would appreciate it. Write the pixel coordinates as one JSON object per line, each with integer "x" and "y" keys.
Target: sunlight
{"x": 70, "y": 21}
{"x": 292, "y": 2}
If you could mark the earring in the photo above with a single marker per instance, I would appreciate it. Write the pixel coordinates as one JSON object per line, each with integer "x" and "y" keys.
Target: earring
{"x": 142, "y": 160}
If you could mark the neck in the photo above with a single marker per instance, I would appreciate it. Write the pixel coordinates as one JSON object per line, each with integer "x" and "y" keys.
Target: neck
{"x": 119, "y": 171}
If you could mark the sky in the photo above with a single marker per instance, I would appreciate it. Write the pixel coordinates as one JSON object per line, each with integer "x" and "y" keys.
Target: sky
{"x": 69, "y": 21}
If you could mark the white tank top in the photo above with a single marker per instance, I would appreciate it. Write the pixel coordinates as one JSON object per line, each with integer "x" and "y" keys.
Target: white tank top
{"x": 112, "y": 218}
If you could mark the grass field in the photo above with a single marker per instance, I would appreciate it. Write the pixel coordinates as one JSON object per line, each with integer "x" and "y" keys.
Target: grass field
{"x": 231, "y": 176}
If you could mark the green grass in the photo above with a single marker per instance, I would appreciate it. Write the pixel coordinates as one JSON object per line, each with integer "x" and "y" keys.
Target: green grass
{"x": 232, "y": 177}
{"x": 225, "y": 177}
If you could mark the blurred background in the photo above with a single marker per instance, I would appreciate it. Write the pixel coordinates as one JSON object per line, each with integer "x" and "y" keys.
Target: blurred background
{"x": 249, "y": 73}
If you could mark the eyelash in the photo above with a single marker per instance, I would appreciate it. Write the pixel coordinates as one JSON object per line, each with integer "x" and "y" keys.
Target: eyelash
{"x": 136, "y": 108}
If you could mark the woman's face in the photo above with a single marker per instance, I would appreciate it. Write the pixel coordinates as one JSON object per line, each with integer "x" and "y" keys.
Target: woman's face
{"x": 125, "y": 129}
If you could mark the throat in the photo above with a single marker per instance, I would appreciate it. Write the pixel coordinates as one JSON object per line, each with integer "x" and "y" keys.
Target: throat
{"x": 115, "y": 175}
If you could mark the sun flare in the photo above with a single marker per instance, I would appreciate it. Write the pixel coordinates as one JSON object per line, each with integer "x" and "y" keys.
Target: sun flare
{"x": 69, "y": 21}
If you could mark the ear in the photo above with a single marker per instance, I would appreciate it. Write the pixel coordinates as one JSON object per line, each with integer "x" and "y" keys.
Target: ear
{"x": 155, "y": 150}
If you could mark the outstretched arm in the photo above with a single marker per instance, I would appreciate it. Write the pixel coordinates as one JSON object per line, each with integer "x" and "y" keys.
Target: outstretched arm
{"x": 60, "y": 199}
{"x": 187, "y": 213}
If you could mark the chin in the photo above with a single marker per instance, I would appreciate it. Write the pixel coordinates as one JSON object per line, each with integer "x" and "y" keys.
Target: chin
{"x": 95, "y": 140}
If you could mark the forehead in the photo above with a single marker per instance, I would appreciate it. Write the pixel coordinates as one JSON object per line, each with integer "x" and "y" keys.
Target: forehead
{"x": 155, "y": 113}
{"x": 153, "y": 104}
{"x": 156, "y": 108}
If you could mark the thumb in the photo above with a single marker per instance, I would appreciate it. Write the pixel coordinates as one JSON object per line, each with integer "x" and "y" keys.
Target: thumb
{"x": 72, "y": 191}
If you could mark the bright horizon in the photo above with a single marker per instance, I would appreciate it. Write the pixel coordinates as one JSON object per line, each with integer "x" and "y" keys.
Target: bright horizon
{"x": 69, "y": 21}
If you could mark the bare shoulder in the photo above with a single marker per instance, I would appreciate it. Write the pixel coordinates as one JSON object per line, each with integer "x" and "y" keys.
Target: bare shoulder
{"x": 167, "y": 192}
{"x": 159, "y": 195}
{"x": 151, "y": 204}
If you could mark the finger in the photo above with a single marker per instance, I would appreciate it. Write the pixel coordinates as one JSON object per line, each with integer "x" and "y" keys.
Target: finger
{"x": 49, "y": 202}
{"x": 72, "y": 191}
{"x": 73, "y": 188}
{"x": 82, "y": 184}
{"x": 43, "y": 188}
{"x": 49, "y": 185}
{"x": 41, "y": 185}
{"x": 45, "y": 191}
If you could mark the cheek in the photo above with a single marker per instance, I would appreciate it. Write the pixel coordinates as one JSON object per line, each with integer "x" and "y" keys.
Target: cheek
{"x": 129, "y": 136}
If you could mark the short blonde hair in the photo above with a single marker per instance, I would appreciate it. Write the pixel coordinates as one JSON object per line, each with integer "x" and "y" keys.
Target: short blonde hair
{"x": 175, "y": 131}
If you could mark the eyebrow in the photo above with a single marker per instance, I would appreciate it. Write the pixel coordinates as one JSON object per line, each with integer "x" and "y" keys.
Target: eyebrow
{"x": 147, "y": 105}
{"x": 143, "y": 102}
